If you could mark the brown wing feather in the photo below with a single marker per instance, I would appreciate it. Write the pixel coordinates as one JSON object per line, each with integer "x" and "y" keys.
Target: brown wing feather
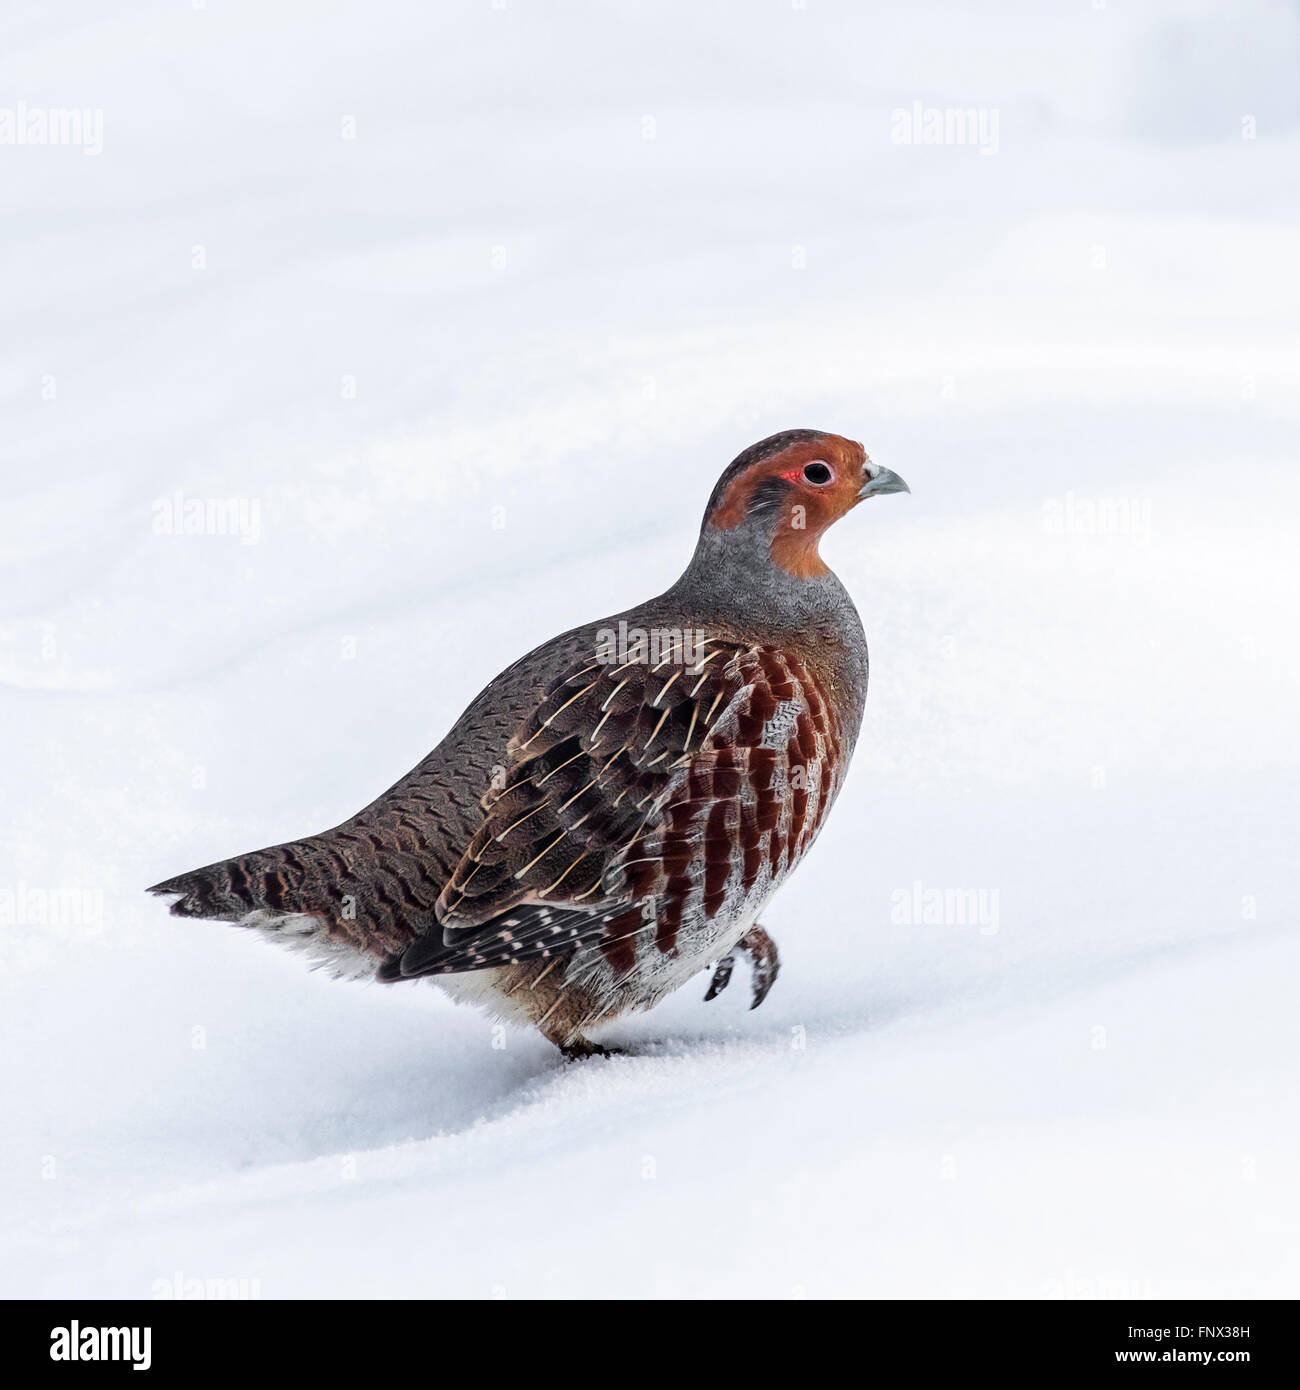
{"x": 633, "y": 784}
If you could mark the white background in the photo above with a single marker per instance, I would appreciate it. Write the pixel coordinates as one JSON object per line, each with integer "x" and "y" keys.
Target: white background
{"x": 546, "y": 312}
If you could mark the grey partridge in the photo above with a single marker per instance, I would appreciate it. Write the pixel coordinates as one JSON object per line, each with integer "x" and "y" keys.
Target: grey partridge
{"x": 608, "y": 818}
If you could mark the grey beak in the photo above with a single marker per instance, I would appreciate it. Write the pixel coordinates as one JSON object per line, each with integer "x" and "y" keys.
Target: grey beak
{"x": 883, "y": 480}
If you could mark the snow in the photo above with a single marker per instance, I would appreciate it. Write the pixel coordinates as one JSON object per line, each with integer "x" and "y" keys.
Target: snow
{"x": 478, "y": 368}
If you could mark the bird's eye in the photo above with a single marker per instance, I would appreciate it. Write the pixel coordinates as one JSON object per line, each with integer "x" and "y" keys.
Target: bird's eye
{"x": 817, "y": 473}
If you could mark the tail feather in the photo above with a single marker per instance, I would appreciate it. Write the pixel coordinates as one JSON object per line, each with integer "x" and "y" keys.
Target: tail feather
{"x": 269, "y": 880}
{"x": 307, "y": 894}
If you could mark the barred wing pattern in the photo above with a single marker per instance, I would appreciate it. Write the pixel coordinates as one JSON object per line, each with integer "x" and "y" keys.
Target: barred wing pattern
{"x": 637, "y": 803}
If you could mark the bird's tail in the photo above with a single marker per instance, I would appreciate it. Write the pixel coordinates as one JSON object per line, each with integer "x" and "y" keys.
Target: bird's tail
{"x": 311, "y": 895}
{"x": 332, "y": 895}
{"x": 279, "y": 880}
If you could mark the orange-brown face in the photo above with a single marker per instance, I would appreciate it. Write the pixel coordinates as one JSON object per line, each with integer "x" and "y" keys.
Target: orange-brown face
{"x": 804, "y": 487}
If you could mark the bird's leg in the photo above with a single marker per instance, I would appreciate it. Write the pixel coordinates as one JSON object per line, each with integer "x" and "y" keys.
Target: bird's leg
{"x": 583, "y": 1047}
{"x": 572, "y": 1043}
{"x": 763, "y": 960}
{"x": 569, "y": 1013}
{"x": 721, "y": 976}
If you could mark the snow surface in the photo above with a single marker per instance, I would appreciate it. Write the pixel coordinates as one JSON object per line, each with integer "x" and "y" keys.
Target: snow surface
{"x": 558, "y": 331}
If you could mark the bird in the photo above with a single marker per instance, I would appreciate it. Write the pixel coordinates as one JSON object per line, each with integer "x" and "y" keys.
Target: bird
{"x": 610, "y": 815}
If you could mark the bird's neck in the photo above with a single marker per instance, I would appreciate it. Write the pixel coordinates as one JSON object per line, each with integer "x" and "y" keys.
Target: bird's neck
{"x": 733, "y": 573}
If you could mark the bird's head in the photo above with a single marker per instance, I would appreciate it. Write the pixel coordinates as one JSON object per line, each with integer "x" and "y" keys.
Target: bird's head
{"x": 784, "y": 491}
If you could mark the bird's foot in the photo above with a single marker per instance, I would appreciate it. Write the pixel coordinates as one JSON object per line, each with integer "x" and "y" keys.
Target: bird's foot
{"x": 582, "y": 1047}
{"x": 764, "y": 962}
{"x": 721, "y": 976}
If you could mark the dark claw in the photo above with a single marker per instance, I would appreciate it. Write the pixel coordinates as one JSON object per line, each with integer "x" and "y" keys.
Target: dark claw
{"x": 763, "y": 960}
{"x": 721, "y": 977}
